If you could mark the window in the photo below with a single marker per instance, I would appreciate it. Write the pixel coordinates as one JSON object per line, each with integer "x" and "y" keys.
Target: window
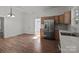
{"x": 77, "y": 16}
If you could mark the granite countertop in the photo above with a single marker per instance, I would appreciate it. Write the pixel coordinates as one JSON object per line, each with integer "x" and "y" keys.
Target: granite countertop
{"x": 69, "y": 44}
{"x": 66, "y": 31}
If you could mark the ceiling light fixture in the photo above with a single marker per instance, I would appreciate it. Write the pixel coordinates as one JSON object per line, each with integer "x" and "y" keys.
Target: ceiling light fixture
{"x": 11, "y": 13}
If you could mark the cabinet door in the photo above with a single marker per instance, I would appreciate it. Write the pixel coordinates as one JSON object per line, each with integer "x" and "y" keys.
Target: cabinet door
{"x": 42, "y": 20}
{"x": 61, "y": 19}
{"x": 41, "y": 33}
{"x": 67, "y": 17}
{"x": 56, "y": 18}
{"x": 57, "y": 35}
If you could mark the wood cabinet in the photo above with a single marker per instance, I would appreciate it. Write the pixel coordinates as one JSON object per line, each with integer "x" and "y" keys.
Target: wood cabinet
{"x": 64, "y": 18}
{"x": 56, "y": 18}
{"x": 41, "y": 33}
{"x": 67, "y": 17}
{"x": 57, "y": 35}
{"x": 61, "y": 19}
{"x": 46, "y": 18}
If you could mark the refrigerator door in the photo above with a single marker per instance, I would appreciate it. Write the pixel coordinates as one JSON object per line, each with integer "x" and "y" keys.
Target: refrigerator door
{"x": 48, "y": 28}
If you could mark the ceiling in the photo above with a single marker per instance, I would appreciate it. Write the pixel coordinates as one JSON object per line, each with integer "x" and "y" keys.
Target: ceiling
{"x": 30, "y": 9}
{"x": 40, "y": 10}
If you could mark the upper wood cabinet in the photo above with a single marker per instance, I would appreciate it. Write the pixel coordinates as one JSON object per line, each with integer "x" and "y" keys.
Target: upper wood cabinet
{"x": 64, "y": 18}
{"x": 56, "y": 18}
{"x": 46, "y": 18}
{"x": 67, "y": 17}
{"x": 61, "y": 19}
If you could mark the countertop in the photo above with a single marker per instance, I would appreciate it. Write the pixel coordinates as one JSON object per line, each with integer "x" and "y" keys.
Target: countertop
{"x": 69, "y": 44}
{"x": 66, "y": 31}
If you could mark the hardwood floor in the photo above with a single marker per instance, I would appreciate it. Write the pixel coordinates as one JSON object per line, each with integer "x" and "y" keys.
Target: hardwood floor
{"x": 27, "y": 44}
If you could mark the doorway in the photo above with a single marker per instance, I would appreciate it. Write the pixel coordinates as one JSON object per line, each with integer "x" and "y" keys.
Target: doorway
{"x": 37, "y": 26}
{"x": 1, "y": 27}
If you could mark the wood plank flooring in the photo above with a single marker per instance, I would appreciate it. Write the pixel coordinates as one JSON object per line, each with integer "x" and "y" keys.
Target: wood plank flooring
{"x": 26, "y": 44}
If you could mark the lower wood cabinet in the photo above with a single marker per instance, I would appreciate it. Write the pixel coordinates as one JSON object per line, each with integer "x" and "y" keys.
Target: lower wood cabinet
{"x": 41, "y": 33}
{"x": 57, "y": 35}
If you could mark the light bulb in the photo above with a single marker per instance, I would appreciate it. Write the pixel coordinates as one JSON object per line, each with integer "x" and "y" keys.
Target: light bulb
{"x": 12, "y": 16}
{"x": 8, "y": 15}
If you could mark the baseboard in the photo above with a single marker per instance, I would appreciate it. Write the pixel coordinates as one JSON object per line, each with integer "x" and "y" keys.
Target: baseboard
{"x": 17, "y": 35}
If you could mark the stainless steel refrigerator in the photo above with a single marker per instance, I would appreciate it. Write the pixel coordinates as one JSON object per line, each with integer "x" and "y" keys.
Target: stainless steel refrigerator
{"x": 49, "y": 29}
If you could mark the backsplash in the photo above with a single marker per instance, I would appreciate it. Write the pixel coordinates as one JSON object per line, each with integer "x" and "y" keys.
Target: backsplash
{"x": 62, "y": 27}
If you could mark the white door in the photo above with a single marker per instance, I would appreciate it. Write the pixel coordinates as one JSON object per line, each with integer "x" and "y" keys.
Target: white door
{"x": 37, "y": 26}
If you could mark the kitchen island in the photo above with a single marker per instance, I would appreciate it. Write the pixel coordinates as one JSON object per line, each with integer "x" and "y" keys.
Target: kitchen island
{"x": 68, "y": 43}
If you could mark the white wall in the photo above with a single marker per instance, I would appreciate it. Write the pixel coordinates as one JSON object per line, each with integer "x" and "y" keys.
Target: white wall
{"x": 12, "y": 26}
{"x": 29, "y": 24}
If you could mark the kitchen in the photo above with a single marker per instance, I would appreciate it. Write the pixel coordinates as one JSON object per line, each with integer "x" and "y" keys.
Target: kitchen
{"x": 65, "y": 30}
